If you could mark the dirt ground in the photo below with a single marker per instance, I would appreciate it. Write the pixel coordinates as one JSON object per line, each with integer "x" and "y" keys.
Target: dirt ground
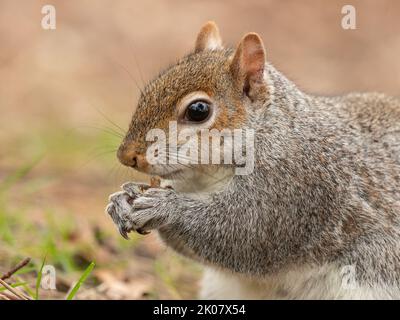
{"x": 61, "y": 89}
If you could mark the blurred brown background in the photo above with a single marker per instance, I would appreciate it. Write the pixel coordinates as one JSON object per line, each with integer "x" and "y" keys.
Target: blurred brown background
{"x": 59, "y": 86}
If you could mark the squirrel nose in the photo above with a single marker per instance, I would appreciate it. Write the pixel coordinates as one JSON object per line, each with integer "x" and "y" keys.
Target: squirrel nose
{"x": 128, "y": 157}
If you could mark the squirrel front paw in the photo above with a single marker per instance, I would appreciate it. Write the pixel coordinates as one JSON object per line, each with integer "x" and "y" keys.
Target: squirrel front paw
{"x": 135, "y": 208}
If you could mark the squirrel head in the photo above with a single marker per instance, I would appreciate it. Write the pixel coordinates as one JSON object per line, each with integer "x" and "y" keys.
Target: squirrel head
{"x": 211, "y": 88}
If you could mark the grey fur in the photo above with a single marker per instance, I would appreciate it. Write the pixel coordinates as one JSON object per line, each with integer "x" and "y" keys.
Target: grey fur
{"x": 325, "y": 189}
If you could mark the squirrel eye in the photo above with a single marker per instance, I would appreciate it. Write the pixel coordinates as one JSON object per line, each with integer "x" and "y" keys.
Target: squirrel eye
{"x": 198, "y": 111}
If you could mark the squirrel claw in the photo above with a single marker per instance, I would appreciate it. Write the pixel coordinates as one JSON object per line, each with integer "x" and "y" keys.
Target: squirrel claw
{"x": 142, "y": 231}
{"x": 124, "y": 234}
{"x": 133, "y": 208}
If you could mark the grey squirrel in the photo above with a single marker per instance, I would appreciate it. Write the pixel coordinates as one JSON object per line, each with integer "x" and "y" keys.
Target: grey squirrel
{"x": 324, "y": 194}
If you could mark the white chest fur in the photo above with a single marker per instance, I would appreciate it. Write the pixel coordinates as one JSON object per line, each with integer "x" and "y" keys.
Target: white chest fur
{"x": 325, "y": 282}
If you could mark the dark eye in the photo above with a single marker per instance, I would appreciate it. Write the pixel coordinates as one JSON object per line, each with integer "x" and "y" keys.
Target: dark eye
{"x": 198, "y": 111}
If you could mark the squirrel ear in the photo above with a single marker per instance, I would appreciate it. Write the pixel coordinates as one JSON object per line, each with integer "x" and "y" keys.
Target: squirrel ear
{"x": 247, "y": 66}
{"x": 208, "y": 38}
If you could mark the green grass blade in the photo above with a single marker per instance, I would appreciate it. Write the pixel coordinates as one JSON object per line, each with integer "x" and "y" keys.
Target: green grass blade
{"x": 26, "y": 287}
{"x": 81, "y": 280}
{"x": 39, "y": 279}
{"x": 14, "y": 285}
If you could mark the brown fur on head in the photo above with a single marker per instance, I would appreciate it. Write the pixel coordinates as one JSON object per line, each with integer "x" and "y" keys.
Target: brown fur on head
{"x": 231, "y": 79}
